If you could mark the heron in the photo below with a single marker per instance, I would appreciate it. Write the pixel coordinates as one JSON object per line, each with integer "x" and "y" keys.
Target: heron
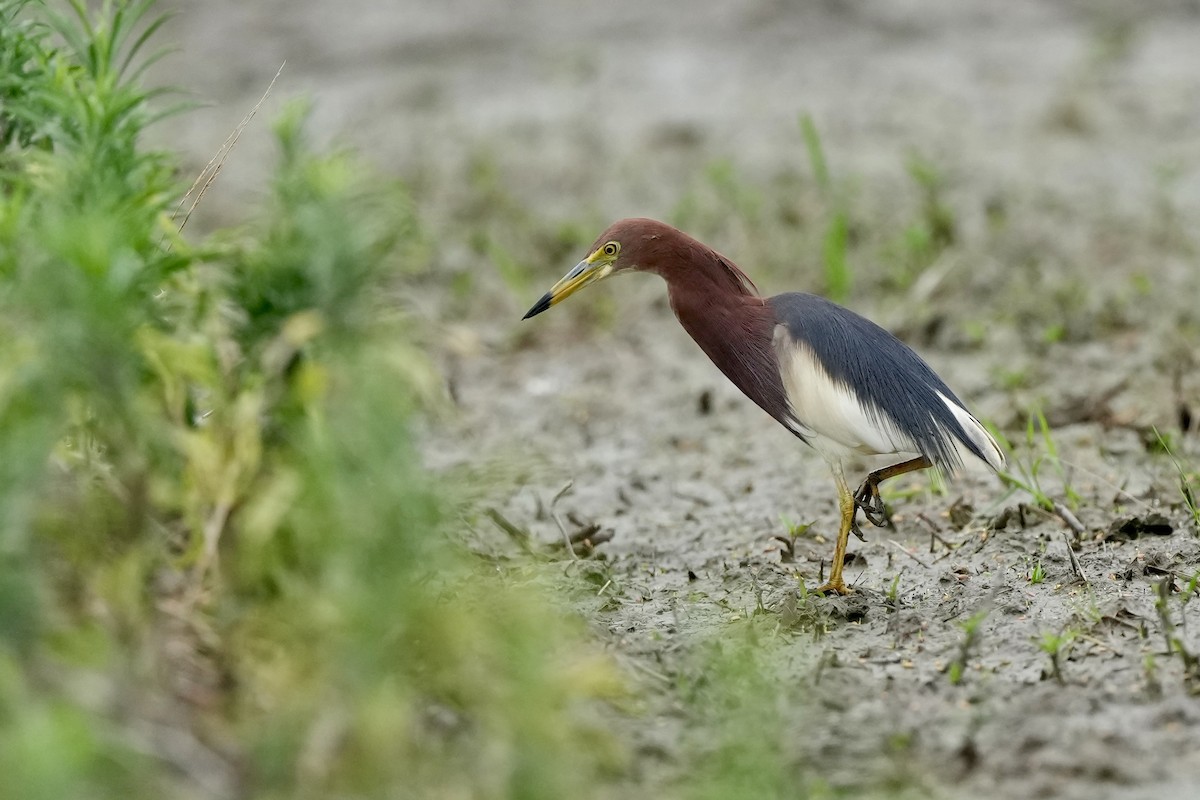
{"x": 837, "y": 381}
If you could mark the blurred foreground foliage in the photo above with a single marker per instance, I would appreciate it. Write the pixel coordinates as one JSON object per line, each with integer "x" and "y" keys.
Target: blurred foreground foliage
{"x": 222, "y": 569}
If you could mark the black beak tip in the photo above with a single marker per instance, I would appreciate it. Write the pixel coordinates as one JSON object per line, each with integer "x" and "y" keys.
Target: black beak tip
{"x": 538, "y": 307}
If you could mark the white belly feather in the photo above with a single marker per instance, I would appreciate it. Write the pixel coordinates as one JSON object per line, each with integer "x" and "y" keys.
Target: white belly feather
{"x": 835, "y": 421}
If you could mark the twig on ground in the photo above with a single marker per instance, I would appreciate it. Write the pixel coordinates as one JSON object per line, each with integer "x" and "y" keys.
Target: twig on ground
{"x": 984, "y": 536}
{"x": 1069, "y": 518}
{"x": 934, "y": 535}
{"x": 1187, "y": 579}
{"x": 518, "y": 535}
{"x": 637, "y": 664}
{"x": 584, "y": 540}
{"x": 704, "y": 502}
{"x": 567, "y": 541}
{"x": 908, "y": 553}
{"x": 1075, "y": 569}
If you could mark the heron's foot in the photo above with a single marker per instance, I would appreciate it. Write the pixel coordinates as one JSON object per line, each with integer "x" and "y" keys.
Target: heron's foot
{"x": 867, "y": 498}
{"x": 833, "y": 587}
{"x": 857, "y": 531}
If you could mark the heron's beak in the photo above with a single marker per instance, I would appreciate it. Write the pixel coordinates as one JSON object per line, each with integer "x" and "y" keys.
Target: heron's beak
{"x": 588, "y": 271}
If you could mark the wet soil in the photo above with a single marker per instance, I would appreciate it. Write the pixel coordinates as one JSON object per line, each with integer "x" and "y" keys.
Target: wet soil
{"x": 935, "y": 678}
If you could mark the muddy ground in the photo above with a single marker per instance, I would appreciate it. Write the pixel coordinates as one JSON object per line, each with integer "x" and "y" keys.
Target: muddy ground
{"x": 1079, "y": 122}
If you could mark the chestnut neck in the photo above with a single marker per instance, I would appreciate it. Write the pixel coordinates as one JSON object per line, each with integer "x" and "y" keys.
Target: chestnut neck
{"x": 698, "y": 276}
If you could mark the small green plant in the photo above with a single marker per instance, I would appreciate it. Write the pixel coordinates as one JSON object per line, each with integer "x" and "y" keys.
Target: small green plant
{"x": 730, "y": 689}
{"x": 1028, "y": 476}
{"x": 1150, "y": 670}
{"x": 1056, "y": 646}
{"x": 838, "y": 278}
{"x": 971, "y": 631}
{"x": 1175, "y": 642}
{"x": 1012, "y": 379}
{"x": 1037, "y": 574}
{"x": 1055, "y": 332}
{"x": 795, "y": 529}
{"x": 1086, "y": 611}
{"x": 1190, "y": 592}
{"x": 937, "y": 216}
{"x": 928, "y": 235}
{"x": 1189, "y": 481}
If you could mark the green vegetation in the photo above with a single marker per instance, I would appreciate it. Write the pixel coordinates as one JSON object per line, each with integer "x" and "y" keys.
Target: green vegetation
{"x": 731, "y": 692}
{"x": 838, "y": 277}
{"x": 1175, "y": 633}
{"x": 225, "y": 573}
{"x": 932, "y": 230}
{"x": 1040, "y": 450}
{"x": 1057, "y": 646}
{"x": 1189, "y": 481}
{"x": 893, "y": 592}
{"x": 222, "y": 570}
{"x": 971, "y": 630}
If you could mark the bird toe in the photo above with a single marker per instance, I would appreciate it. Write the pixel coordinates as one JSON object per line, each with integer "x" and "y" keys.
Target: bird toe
{"x": 868, "y": 500}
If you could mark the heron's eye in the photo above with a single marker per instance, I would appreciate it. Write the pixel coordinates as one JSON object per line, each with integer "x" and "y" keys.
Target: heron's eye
{"x": 612, "y": 248}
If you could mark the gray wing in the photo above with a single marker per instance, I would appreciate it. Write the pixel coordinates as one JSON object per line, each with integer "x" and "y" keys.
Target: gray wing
{"x": 890, "y": 382}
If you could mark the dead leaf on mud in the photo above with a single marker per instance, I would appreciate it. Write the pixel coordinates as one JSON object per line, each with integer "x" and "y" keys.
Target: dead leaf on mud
{"x": 1129, "y": 528}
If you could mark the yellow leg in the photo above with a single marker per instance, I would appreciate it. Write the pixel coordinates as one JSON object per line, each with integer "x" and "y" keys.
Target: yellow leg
{"x": 847, "y": 507}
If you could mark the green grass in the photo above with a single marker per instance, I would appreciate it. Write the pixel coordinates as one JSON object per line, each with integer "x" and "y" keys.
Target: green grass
{"x": 839, "y": 281}
{"x": 1057, "y": 647}
{"x": 931, "y": 231}
{"x": 1040, "y": 451}
{"x": 1174, "y": 633}
{"x": 956, "y": 671}
{"x": 1189, "y": 480}
{"x": 737, "y": 739}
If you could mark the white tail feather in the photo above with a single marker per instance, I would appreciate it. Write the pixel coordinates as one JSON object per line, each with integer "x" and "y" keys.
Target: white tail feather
{"x": 978, "y": 434}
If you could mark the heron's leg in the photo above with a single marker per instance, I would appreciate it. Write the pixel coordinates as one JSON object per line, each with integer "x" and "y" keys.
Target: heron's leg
{"x": 867, "y": 497}
{"x": 848, "y": 509}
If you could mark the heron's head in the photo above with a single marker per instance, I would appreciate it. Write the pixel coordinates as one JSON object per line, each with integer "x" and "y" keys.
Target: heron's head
{"x": 627, "y": 244}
